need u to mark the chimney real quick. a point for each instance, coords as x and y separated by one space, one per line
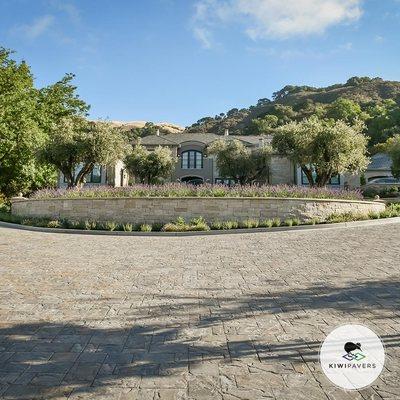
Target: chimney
226 132
158 132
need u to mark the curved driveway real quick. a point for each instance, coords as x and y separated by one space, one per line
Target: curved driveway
206 317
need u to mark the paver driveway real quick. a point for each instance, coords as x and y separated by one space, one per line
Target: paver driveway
211 317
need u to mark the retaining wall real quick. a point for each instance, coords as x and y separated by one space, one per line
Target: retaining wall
163 210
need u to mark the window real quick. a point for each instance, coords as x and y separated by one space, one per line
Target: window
334 181
192 159
95 175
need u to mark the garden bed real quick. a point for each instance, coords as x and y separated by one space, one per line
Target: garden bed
176 190
195 224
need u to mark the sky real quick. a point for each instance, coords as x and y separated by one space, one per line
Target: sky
181 60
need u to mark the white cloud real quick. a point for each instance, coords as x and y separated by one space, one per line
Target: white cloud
276 18
38 27
204 36
69 9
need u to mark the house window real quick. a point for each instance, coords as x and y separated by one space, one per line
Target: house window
334 181
192 159
95 175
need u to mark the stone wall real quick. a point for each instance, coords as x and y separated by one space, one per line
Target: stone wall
150 210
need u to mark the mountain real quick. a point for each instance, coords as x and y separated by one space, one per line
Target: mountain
165 127
297 102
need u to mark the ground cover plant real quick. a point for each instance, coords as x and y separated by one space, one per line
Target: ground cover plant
206 190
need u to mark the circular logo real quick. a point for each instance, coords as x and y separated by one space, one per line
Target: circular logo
352 356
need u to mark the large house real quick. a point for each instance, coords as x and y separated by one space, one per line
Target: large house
195 166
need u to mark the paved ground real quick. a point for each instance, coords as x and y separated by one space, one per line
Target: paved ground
213 317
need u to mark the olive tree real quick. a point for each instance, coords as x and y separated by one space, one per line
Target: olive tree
150 166
235 160
326 148
76 145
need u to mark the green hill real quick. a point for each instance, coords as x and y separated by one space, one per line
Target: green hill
377 102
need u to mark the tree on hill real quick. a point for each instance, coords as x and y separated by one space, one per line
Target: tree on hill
76 145
323 148
346 110
348 101
150 166
236 161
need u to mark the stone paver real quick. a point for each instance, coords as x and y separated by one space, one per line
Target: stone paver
207 317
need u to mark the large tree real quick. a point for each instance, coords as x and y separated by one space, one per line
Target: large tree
392 147
76 145
323 148
150 166
236 161
26 117
20 134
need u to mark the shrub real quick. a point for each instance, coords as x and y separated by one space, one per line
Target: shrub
145 228
370 192
267 223
346 217
156 227
288 222
8 217
198 224
227 225
250 223
77 224
55 223
180 225
296 221
110 226
27 221
276 222
127 227
216 225
90 225
373 215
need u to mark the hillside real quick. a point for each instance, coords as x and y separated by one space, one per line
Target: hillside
165 127
297 102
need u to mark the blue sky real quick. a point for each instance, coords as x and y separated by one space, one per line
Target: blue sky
180 60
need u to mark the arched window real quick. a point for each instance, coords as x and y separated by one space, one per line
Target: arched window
191 159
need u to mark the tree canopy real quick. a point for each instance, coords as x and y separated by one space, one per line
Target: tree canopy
26 117
235 160
323 148
150 166
392 147
75 145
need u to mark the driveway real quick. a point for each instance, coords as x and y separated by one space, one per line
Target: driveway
206 317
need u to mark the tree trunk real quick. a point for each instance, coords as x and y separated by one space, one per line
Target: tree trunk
308 174
82 173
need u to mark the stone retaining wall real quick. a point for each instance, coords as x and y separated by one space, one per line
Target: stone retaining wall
163 210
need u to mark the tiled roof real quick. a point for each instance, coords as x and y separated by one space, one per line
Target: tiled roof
206 138
380 161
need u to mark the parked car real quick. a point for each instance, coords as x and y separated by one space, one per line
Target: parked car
384 187
384 181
